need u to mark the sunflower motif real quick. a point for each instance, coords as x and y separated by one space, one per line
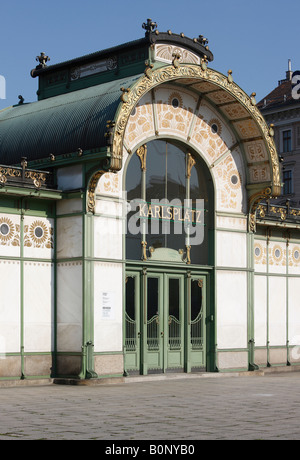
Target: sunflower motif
7 230
215 127
175 101
277 253
296 255
38 232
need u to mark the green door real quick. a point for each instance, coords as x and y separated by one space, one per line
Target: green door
196 323
132 322
164 323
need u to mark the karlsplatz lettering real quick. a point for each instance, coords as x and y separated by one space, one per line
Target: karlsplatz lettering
162 212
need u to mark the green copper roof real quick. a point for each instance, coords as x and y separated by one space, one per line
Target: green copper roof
60 124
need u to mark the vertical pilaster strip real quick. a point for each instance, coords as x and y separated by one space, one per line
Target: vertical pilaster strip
268 300
54 360
287 302
22 289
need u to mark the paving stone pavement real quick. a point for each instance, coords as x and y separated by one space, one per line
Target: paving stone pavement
184 409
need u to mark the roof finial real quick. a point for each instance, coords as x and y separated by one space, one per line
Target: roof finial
42 59
149 26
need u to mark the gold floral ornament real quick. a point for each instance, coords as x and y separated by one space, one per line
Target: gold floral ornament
9 232
38 235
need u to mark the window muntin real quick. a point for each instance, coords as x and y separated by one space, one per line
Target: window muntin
287 141
288 182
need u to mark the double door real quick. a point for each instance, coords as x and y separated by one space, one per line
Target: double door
164 322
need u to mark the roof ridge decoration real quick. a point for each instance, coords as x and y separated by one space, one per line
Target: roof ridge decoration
149 26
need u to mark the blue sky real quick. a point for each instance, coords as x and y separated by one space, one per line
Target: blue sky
255 39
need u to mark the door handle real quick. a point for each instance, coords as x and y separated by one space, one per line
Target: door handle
162 334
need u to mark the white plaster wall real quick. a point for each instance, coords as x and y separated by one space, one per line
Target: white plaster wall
38 306
260 311
231 249
108 283
69 237
231 309
277 310
69 178
9 306
69 306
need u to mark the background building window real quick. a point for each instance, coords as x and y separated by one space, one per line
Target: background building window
288 182
287 141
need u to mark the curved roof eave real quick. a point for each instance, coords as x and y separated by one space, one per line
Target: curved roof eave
247 119
60 124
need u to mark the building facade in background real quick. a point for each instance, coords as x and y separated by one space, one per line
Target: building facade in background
282 110
135 231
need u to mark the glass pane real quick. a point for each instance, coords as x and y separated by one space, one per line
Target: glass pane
200 188
174 315
152 314
165 184
196 314
133 188
130 297
174 298
134 178
175 164
130 315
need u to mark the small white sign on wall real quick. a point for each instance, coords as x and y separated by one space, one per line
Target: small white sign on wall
108 305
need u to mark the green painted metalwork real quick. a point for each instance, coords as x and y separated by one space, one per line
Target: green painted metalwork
78 120
160 335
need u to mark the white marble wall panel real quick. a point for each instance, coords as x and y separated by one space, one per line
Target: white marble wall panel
294 315
9 235
110 208
71 206
231 249
277 310
38 306
69 306
38 237
108 307
108 237
231 309
69 178
10 307
69 237
260 310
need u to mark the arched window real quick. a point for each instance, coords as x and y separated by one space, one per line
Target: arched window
169 193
